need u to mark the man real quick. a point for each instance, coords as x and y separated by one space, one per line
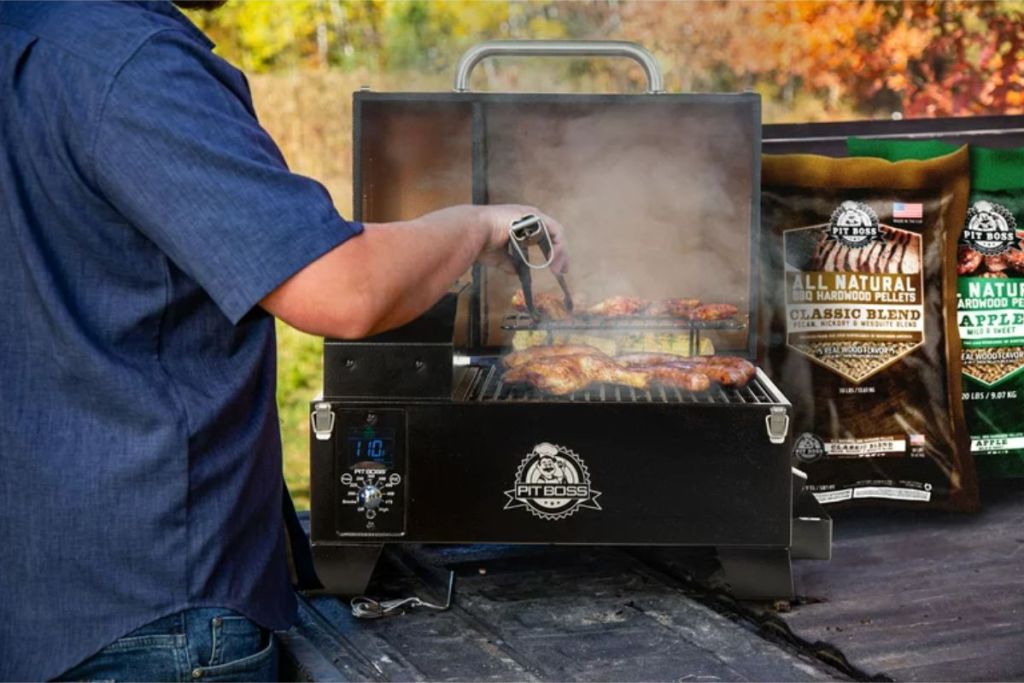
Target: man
150 231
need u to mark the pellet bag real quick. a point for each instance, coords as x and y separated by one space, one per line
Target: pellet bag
990 298
858 318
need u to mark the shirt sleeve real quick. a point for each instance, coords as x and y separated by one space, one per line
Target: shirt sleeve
179 153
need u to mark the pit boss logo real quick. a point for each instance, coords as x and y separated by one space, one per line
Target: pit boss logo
990 229
855 225
808 448
552 483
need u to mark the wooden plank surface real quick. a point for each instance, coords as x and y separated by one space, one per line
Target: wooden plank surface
923 596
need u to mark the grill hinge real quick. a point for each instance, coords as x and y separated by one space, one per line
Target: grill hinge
322 421
777 423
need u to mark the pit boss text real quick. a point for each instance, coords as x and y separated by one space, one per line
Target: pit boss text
552 491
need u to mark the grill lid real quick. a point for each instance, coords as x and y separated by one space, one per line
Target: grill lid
659 193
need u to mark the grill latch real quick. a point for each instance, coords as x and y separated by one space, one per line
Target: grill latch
777 423
322 421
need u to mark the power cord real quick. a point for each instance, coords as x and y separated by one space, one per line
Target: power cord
368 608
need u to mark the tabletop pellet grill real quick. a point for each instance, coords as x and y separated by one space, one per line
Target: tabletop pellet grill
418 439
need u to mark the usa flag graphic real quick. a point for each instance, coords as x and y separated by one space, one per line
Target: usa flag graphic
903 210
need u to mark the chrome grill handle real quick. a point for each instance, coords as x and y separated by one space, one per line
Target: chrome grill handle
559 48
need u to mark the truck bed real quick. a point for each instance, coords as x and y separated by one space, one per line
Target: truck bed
907 596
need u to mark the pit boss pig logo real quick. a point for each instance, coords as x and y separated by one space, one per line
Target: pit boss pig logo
552 483
854 224
990 229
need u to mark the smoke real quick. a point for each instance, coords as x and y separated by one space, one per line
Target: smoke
655 194
656 199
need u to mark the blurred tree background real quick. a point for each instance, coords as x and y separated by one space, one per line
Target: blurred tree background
808 60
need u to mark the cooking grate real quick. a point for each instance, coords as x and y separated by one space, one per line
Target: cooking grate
486 386
520 322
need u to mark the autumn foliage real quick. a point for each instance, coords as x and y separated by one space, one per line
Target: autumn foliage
913 58
809 59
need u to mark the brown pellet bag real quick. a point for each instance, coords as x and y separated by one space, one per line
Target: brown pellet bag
858 323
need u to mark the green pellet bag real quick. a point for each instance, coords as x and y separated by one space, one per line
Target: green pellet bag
990 298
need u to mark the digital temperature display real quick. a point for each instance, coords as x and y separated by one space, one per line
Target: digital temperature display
371 445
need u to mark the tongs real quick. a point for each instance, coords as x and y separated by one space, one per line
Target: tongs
522 233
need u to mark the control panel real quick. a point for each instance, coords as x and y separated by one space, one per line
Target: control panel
370 472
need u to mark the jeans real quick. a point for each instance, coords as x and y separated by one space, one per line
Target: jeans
203 644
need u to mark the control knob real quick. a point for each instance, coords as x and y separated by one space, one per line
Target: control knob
370 497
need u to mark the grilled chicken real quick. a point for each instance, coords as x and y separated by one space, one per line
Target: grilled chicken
618 306
725 370
646 359
713 312
536 353
550 306
675 308
564 374
561 370
687 379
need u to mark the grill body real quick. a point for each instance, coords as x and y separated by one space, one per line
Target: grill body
667 474
410 446
661 469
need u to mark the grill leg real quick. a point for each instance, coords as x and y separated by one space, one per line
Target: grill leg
345 569
757 573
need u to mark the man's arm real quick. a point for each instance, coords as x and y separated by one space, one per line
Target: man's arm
222 205
394 272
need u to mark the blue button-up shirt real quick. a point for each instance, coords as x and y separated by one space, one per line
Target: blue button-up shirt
143 214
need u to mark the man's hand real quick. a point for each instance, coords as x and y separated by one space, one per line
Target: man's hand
500 217
394 272
494 221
